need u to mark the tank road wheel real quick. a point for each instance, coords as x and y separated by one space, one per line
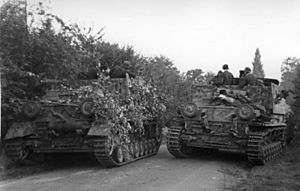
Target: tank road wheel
149 146
136 149
153 145
142 151
127 153
146 145
131 149
119 154
158 134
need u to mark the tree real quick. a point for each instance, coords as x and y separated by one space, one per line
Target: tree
208 76
290 81
257 65
288 76
194 76
162 72
296 103
113 55
13 48
40 49
288 73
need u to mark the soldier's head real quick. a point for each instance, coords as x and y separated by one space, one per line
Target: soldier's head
220 73
247 70
126 64
225 67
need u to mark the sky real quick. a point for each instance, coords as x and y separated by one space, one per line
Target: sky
203 34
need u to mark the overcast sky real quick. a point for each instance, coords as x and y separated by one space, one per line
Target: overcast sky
196 33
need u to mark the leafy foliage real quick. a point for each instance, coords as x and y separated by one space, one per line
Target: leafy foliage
113 55
124 111
171 87
208 76
257 65
288 70
296 104
40 51
161 71
288 77
194 76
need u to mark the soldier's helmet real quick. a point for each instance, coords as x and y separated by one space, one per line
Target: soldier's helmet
247 69
225 67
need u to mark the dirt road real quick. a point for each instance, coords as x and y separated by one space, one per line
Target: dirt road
162 172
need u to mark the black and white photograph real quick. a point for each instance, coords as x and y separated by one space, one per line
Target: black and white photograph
150 95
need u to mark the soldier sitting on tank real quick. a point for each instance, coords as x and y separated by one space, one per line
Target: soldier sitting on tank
227 76
247 79
218 79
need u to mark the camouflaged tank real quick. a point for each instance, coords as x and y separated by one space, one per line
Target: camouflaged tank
249 120
88 119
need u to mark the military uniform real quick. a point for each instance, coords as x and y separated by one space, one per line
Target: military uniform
227 78
248 79
218 79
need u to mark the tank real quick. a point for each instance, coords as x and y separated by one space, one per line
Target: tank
103 116
249 120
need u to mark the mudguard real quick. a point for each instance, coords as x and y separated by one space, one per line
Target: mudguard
19 129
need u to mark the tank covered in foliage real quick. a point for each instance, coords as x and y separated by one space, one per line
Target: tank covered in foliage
116 117
249 120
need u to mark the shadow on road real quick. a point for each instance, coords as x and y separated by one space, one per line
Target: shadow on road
229 158
61 161
226 157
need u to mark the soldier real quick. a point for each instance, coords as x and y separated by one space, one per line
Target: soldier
247 79
218 79
227 76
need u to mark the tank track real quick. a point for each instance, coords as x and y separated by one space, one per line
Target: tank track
104 154
15 151
259 150
173 141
